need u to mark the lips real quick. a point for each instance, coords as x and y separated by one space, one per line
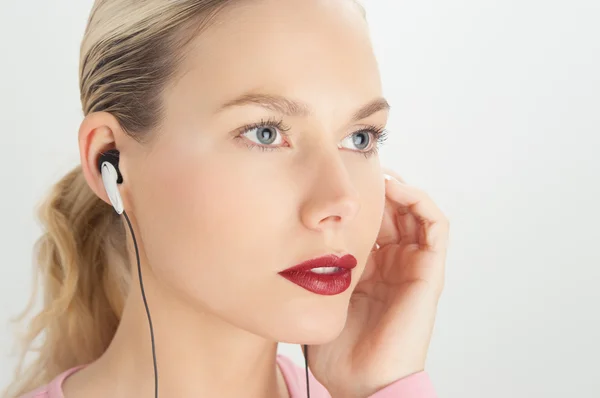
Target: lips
327 275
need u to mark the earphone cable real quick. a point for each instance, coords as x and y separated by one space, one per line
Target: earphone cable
306 363
137 255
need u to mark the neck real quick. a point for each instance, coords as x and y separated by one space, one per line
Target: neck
198 353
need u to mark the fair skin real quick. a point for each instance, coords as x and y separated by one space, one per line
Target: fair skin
216 221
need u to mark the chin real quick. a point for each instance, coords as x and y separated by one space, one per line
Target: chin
311 327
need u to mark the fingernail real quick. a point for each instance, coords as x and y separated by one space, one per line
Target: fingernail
390 178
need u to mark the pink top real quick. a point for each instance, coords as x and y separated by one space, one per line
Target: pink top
417 385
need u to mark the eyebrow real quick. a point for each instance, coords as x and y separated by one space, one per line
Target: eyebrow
290 107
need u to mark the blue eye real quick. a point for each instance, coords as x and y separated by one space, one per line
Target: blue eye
264 135
366 141
360 140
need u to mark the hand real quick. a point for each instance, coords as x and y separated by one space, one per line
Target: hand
392 309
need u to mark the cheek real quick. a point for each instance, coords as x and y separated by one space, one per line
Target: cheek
207 228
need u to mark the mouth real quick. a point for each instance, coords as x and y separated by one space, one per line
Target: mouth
327 275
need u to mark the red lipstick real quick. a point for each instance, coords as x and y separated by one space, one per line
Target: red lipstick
327 275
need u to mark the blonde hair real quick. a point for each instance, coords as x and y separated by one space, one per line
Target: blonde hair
129 53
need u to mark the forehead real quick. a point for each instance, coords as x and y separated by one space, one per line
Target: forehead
312 50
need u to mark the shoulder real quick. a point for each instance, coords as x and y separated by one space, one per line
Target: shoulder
52 389
295 378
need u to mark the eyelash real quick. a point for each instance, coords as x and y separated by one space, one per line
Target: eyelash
379 134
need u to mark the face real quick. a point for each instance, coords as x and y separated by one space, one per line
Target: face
266 160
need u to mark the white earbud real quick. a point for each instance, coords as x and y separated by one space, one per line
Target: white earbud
109 178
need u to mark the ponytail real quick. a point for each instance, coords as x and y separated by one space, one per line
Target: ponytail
82 262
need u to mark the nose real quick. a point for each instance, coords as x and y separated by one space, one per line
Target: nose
332 199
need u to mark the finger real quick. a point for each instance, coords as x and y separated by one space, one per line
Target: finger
408 226
398 226
388 232
430 219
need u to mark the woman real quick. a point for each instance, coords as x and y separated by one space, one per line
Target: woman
227 120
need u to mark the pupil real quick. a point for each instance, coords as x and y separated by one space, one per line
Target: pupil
263 135
361 141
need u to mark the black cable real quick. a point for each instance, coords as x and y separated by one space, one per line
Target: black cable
306 362
137 255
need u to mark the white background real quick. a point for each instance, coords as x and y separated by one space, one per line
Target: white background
496 113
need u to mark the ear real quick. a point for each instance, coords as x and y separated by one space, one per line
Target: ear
98 133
